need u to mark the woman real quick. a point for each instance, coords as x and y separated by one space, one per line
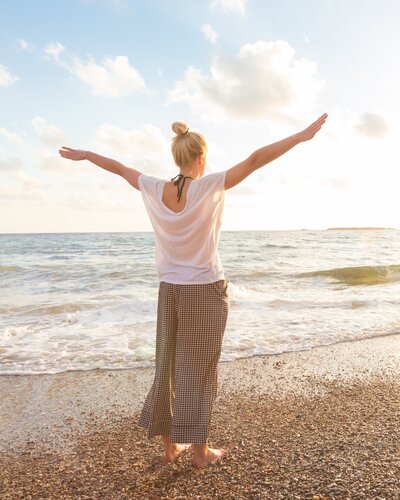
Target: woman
193 300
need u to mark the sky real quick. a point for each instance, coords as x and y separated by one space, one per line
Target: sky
111 76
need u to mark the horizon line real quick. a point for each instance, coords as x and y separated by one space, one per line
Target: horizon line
361 228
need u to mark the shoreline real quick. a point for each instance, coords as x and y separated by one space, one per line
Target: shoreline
63 401
322 421
221 362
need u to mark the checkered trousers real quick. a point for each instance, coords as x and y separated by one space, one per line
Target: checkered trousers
191 320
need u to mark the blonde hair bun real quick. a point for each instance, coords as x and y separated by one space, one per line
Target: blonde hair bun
186 146
180 128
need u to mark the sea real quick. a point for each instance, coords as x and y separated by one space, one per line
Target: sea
83 301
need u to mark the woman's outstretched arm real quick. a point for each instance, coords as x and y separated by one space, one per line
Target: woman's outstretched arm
269 153
130 174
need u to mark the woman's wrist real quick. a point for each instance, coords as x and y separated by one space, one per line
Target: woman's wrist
299 137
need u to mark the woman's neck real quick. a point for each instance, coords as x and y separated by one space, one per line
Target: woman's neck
190 173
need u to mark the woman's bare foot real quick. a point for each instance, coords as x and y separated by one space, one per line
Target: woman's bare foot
210 456
173 450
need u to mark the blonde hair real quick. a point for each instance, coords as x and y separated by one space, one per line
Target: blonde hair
186 145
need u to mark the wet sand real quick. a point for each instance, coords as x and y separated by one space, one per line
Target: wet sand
323 423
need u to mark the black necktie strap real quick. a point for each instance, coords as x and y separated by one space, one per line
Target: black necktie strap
179 177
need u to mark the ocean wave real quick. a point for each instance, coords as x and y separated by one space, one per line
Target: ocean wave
115 274
61 257
8 269
251 275
272 245
362 275
62 308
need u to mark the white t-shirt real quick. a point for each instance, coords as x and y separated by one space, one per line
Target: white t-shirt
187 242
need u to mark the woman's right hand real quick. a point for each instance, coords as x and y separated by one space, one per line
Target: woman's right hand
72 154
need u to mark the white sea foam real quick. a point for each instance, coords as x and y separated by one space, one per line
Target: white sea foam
84 301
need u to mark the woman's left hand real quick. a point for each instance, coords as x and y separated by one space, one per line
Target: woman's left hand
309 132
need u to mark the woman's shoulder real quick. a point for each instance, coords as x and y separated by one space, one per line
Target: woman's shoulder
204 182
214 175
146 180
149 178
213 179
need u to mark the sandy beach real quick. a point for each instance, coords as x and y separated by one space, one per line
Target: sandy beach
316 424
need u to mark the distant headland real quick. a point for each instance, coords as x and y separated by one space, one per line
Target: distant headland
357 228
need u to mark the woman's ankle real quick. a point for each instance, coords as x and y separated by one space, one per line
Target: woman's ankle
200 450
167 442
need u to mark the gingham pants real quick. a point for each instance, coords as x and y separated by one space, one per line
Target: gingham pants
191 321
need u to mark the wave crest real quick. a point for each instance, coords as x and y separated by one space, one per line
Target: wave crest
363 275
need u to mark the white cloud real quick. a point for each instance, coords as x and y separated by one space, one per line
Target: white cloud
24 45
28 181
372 125
12 137
12 163
209 33
145 149
55 164
8 194
113 77
95 200
50 135
229 5
137 142
262 80
6 78
20 197
54 49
